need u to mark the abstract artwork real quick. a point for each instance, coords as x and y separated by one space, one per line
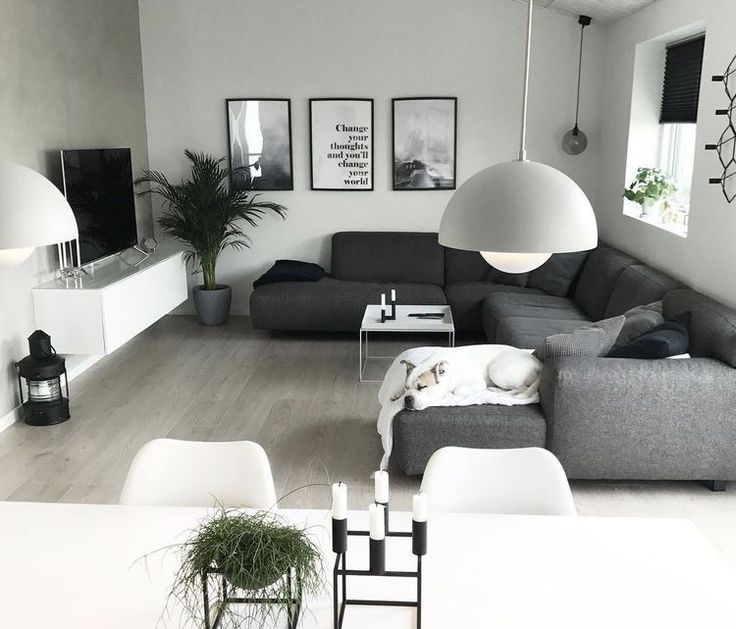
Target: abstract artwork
259 140
341 134
424 143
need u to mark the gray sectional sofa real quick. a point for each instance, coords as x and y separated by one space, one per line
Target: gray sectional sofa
604 418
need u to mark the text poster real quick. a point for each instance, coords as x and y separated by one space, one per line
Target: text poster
342 143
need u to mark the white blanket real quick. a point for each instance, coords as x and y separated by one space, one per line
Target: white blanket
394 380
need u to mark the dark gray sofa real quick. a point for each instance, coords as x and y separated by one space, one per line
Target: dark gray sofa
565 293
604 418
609 418
364 265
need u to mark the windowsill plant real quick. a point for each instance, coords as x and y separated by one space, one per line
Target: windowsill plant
651 189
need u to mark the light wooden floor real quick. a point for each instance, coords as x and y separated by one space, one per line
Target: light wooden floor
296 395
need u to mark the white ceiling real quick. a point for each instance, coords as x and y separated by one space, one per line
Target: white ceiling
601 11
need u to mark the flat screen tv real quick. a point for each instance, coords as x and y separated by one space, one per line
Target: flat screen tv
98 184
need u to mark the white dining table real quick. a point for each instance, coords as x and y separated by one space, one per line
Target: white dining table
68 566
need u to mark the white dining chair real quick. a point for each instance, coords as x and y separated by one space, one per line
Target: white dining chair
527 481
172 472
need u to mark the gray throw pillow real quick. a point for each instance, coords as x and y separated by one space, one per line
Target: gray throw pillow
555 277
596 340
640 320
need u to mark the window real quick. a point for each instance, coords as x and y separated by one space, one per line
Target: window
677 159
664 138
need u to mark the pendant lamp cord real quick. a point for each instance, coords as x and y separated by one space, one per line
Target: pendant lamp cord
580 68
525 97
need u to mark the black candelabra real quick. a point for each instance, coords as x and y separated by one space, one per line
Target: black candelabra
376 565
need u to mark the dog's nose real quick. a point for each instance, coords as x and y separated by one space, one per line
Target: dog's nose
409 401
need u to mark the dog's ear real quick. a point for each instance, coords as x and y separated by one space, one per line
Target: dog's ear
409 366
439 370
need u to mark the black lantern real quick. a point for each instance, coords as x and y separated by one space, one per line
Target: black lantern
45 405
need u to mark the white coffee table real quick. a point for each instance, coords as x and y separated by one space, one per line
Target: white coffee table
403 323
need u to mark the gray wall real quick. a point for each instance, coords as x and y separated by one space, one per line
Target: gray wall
706 259
196 54
70 77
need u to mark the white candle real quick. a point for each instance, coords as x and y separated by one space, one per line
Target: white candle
420 508
376 526
339 501
383 301
393 294
381 486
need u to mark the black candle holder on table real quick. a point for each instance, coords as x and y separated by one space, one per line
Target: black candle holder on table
389 317
294 590
377 566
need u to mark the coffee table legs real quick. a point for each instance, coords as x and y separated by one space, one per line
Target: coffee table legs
363 354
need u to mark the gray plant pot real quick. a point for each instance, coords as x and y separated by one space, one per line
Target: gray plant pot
212 306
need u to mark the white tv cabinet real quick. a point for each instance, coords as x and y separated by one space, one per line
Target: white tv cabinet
99 312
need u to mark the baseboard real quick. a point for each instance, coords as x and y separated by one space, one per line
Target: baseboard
76 366
7 420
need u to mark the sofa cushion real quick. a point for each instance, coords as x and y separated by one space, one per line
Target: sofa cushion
501 305
466 300
599 275
556 276
418 434
529 332
712 325
413 257
671 338
593 340
330 305
638 284
640 320
469 266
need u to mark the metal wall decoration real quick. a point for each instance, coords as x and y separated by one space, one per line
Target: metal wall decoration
726 145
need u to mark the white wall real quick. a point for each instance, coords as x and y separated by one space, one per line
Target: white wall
706 259
197 53
71 78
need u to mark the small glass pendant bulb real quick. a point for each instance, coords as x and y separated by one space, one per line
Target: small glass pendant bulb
574 141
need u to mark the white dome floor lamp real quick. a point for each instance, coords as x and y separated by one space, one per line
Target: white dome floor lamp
517 214
33 213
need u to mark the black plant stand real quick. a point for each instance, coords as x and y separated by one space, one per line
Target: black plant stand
294 589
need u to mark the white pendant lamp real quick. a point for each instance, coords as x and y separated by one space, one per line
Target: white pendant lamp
33 213
517 214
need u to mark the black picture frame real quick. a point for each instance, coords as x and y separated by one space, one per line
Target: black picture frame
283 182
371 174
401 177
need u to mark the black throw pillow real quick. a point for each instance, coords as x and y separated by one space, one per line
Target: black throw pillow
668 339
291 271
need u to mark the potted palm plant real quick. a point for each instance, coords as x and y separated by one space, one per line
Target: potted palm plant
207 215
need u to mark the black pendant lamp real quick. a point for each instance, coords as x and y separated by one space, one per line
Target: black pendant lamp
575 141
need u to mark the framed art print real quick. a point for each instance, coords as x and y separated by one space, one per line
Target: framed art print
259 141
341 136
424 143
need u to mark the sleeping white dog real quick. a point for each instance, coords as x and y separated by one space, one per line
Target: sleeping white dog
466 370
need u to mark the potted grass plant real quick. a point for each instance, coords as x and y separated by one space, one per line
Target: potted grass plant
208 216
257 569
651 187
